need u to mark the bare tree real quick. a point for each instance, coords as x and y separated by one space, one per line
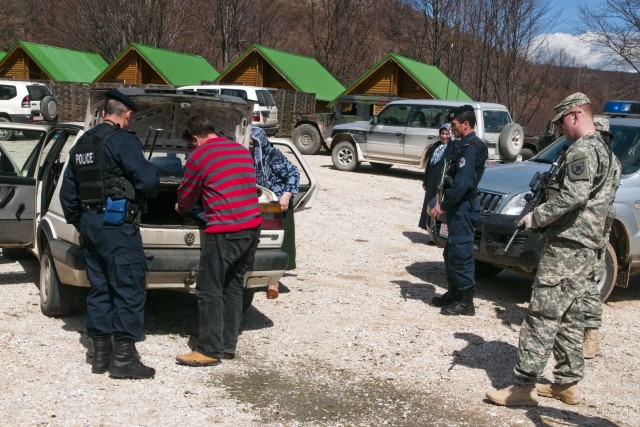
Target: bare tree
615 25
341 35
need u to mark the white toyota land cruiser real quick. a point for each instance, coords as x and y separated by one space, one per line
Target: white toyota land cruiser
31 215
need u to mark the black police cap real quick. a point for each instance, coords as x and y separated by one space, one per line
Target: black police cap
121 97
457 111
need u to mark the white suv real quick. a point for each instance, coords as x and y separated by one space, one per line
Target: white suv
265 112
403 130
25 102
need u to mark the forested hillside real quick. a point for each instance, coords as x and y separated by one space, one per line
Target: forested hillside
485 46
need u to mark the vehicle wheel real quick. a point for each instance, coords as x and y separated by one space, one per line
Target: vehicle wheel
527 153
14 253
307 139
608 280
511 140
5 134
56 299
380 166
247 297
344 156
49 108
484 270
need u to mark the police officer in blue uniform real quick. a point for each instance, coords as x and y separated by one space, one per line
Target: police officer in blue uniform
102 195
462 208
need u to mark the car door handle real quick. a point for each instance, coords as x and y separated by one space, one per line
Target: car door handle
7 197
398 134
20 211
431 137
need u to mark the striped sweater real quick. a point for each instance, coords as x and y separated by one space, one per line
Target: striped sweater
220 174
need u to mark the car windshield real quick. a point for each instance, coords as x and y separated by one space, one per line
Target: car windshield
625 145
495 120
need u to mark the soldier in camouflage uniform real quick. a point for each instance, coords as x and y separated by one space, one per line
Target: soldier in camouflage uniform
574 224
591 305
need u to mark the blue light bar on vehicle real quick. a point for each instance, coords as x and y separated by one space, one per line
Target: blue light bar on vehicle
622 108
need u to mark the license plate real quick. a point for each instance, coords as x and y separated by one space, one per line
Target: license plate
444 230
37 118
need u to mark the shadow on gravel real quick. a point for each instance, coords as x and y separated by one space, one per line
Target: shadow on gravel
318 394
496 358
417 237
542 416
30 273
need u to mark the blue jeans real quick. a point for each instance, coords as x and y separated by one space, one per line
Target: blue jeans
224 259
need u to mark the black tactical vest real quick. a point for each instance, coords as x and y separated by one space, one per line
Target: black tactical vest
93 181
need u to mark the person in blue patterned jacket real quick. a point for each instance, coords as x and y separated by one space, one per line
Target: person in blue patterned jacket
275 172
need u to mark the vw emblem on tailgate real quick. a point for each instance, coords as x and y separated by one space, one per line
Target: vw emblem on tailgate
189 238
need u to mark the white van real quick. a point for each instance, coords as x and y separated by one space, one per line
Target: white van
265 112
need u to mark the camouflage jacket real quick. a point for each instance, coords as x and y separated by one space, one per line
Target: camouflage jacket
573 214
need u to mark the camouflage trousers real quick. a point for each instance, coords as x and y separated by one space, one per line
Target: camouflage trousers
591 305
555 319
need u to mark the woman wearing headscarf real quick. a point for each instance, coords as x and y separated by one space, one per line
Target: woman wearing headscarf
275 172
436 156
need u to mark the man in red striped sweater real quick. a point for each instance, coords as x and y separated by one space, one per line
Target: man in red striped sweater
219 173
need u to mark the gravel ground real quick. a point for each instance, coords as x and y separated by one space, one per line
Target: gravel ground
352 340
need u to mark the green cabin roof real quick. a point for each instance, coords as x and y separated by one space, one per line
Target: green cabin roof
304 73
428 76
177 68
63 65
2 54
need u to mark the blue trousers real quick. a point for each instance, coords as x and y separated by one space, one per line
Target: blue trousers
224 259
115 265
458 252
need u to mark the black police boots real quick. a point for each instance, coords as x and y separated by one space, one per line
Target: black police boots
462 307
126 362
102 352
448 298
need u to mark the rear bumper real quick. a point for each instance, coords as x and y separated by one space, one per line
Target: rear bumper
169 268
270 130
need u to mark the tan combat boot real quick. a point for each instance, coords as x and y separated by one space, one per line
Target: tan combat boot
591 347
567 393
516 395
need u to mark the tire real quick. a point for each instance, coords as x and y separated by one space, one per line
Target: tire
527 153
49 108
5 135
307 139
56 299
484 270
345 156
247 297
608 281
511 141
380 166
14 253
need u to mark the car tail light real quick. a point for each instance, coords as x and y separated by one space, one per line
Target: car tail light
272 218
26 102
256 116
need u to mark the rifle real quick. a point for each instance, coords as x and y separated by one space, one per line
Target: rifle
440 191
538 194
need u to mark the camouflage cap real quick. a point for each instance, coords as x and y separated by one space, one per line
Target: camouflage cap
601 123
571 101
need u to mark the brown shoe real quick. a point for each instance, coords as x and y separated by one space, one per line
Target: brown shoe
567 393
197 359
591 346
272 293
515 395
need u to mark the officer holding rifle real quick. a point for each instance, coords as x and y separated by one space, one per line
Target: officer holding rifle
462 208
575 227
